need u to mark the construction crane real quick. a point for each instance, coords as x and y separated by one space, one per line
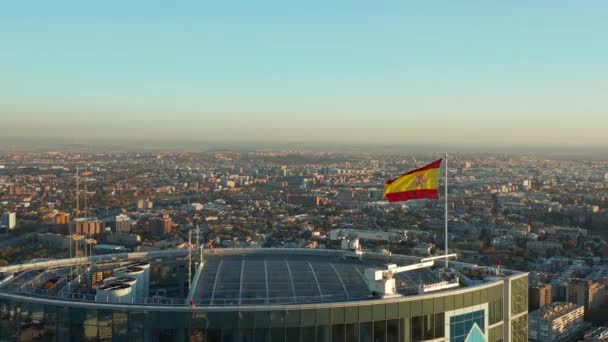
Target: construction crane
381 282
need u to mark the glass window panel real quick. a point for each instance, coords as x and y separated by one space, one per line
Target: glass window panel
476 297
136 323
392 330
439 325
308 334
245 319
519 329
448 303
167 320
308 318
351 314
278 335
427 306
277 318
198 324
499 292
499 310
519 295
428 326
495 311
458 302
226 320
366 331
416 308
461 325
380 331
262 334
438 305
379 312
352 332
417 328
261 319
76 320
322 317
229 335
483 296
292 318
496 333
293 334
468 299
214 335
323 333
404 309
365 313
337 333
392 311
337 315
77 315
119 324
245 335
63 332
105 324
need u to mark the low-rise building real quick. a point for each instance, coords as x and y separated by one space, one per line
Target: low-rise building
122 224
88 226
599 334
104 248
587 293
539 296
9 220
123 239
556 322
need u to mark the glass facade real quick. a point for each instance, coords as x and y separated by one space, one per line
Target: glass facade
519 329
519 295
495 334
405 321
462 327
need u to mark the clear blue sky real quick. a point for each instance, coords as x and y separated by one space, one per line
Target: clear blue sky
448 72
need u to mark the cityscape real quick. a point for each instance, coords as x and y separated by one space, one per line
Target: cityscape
543 216
315 171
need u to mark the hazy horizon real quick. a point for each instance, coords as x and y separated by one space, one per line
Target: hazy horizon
8 145
476 74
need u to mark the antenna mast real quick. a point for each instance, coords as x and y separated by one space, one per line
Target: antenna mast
446 210
71 239
86 202
86 214
198 233
189 260
77 193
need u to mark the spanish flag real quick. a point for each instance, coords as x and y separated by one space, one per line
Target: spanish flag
416 184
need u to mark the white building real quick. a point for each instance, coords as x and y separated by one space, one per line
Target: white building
556 322
9 220
123 223
192 207
372 235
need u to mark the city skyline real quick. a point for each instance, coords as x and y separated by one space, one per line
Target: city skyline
467 74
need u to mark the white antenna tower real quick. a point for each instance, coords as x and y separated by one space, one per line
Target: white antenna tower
71 238
189 260
86 202
86 215
198 233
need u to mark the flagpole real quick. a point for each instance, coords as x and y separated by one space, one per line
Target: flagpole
446 210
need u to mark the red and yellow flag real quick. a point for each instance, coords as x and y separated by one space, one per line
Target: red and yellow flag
416 184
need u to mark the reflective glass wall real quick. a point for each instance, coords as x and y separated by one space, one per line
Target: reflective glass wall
409 321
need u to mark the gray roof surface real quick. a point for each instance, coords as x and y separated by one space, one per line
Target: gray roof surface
287 279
